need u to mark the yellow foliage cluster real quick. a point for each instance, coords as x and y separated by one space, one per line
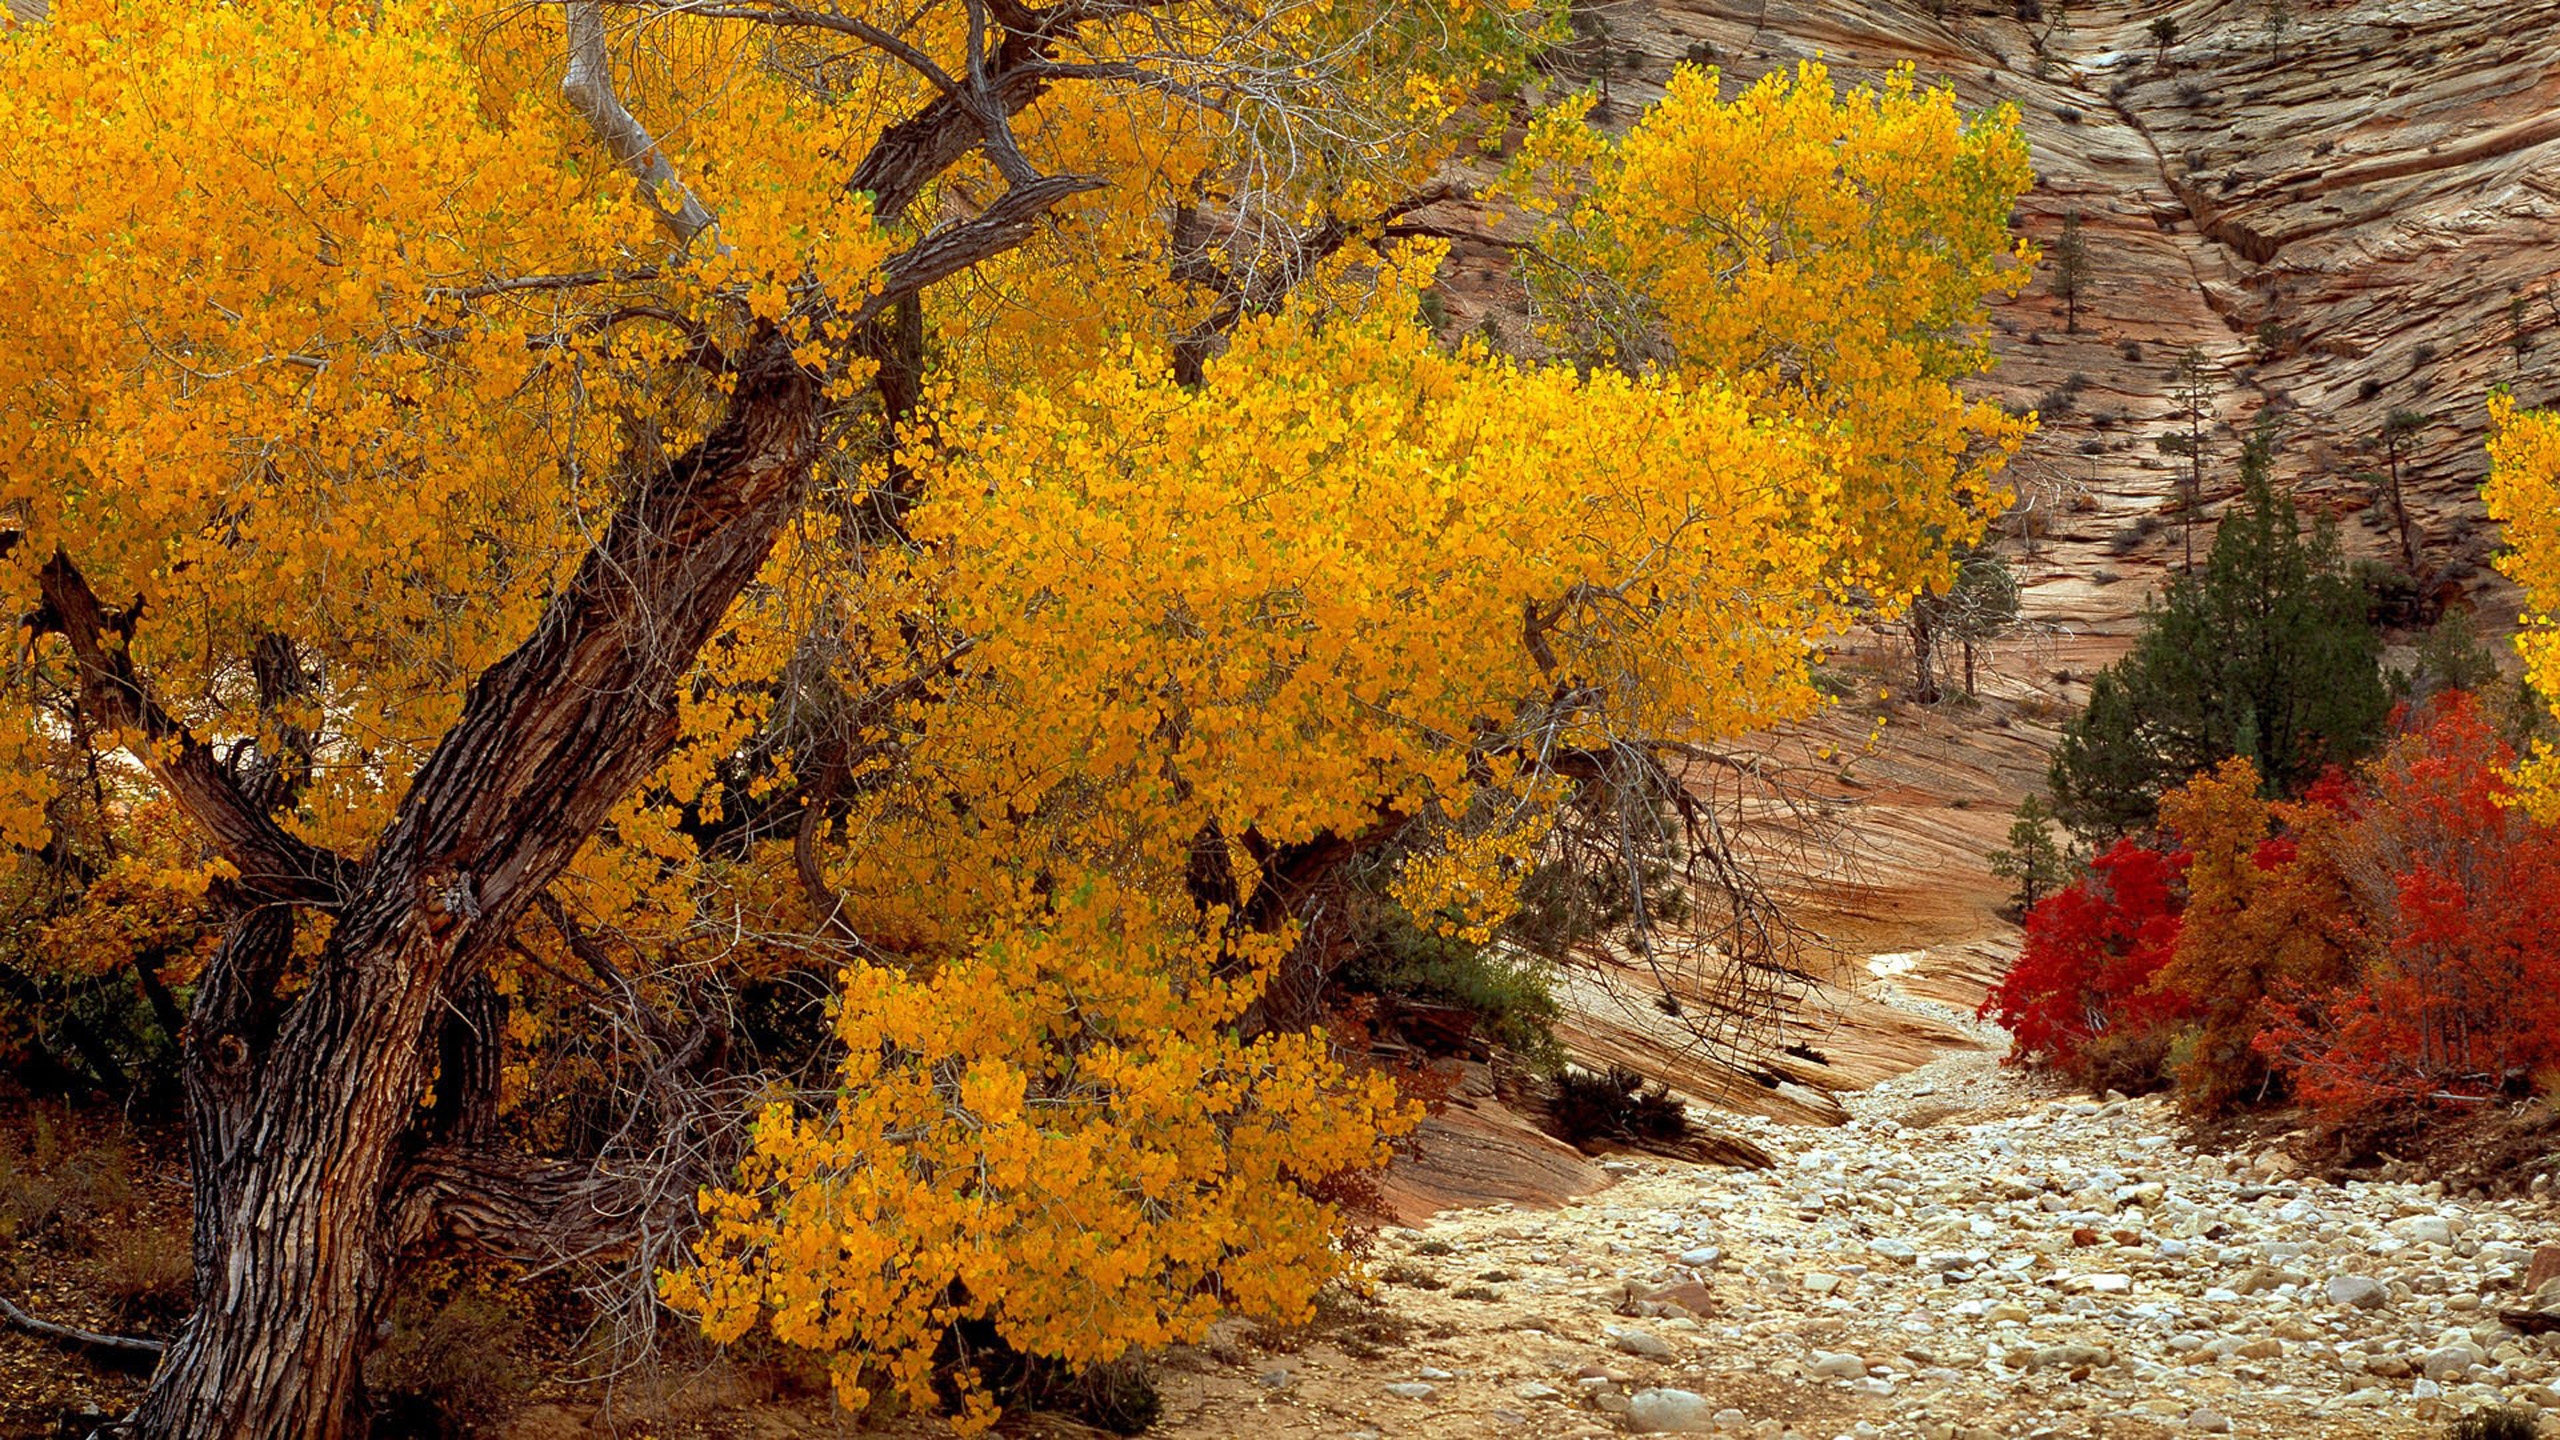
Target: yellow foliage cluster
1061 1130
368 337
2523 495
1826 255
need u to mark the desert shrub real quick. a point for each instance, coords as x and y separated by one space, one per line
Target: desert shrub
2452 656
1835 684
2499 1423
2087 968
2131 1061
145 1276
60 1186
2393 596
2269 912
1615 1104
2458 884
1508 992
2130 538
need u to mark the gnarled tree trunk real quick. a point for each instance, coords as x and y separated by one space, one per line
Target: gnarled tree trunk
313 1148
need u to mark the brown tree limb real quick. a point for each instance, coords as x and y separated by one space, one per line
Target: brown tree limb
948 249
273 863
527 1209
123 1346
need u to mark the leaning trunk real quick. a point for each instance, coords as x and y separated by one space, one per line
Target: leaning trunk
294 1242
317 1157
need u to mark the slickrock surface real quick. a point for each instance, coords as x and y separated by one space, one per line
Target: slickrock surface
1974 1254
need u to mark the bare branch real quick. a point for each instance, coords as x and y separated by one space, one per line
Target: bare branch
794 17
949 249
73 1335
587 84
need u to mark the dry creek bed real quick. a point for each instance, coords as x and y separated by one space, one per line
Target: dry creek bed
1975 1255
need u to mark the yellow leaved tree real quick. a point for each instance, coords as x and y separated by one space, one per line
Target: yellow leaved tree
2523 495
598 514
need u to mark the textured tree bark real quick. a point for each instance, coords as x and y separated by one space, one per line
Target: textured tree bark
306 1112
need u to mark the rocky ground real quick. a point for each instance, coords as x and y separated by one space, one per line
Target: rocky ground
1975 1254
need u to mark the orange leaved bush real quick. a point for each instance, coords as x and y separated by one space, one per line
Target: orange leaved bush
2269 913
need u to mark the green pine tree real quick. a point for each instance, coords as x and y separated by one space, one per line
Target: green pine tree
2070 279
2266 650
2032 858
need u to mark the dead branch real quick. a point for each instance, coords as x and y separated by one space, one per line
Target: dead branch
120 1345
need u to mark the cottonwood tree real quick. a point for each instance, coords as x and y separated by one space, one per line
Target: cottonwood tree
583 509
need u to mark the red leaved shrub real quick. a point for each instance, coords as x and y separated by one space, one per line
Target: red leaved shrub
2461 892
2082 996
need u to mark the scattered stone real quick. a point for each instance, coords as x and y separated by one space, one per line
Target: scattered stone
1837 1367
2108 1284
1668 1412
2451 1362
2359 1292
1412 1390
2545 1266
1639 1342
